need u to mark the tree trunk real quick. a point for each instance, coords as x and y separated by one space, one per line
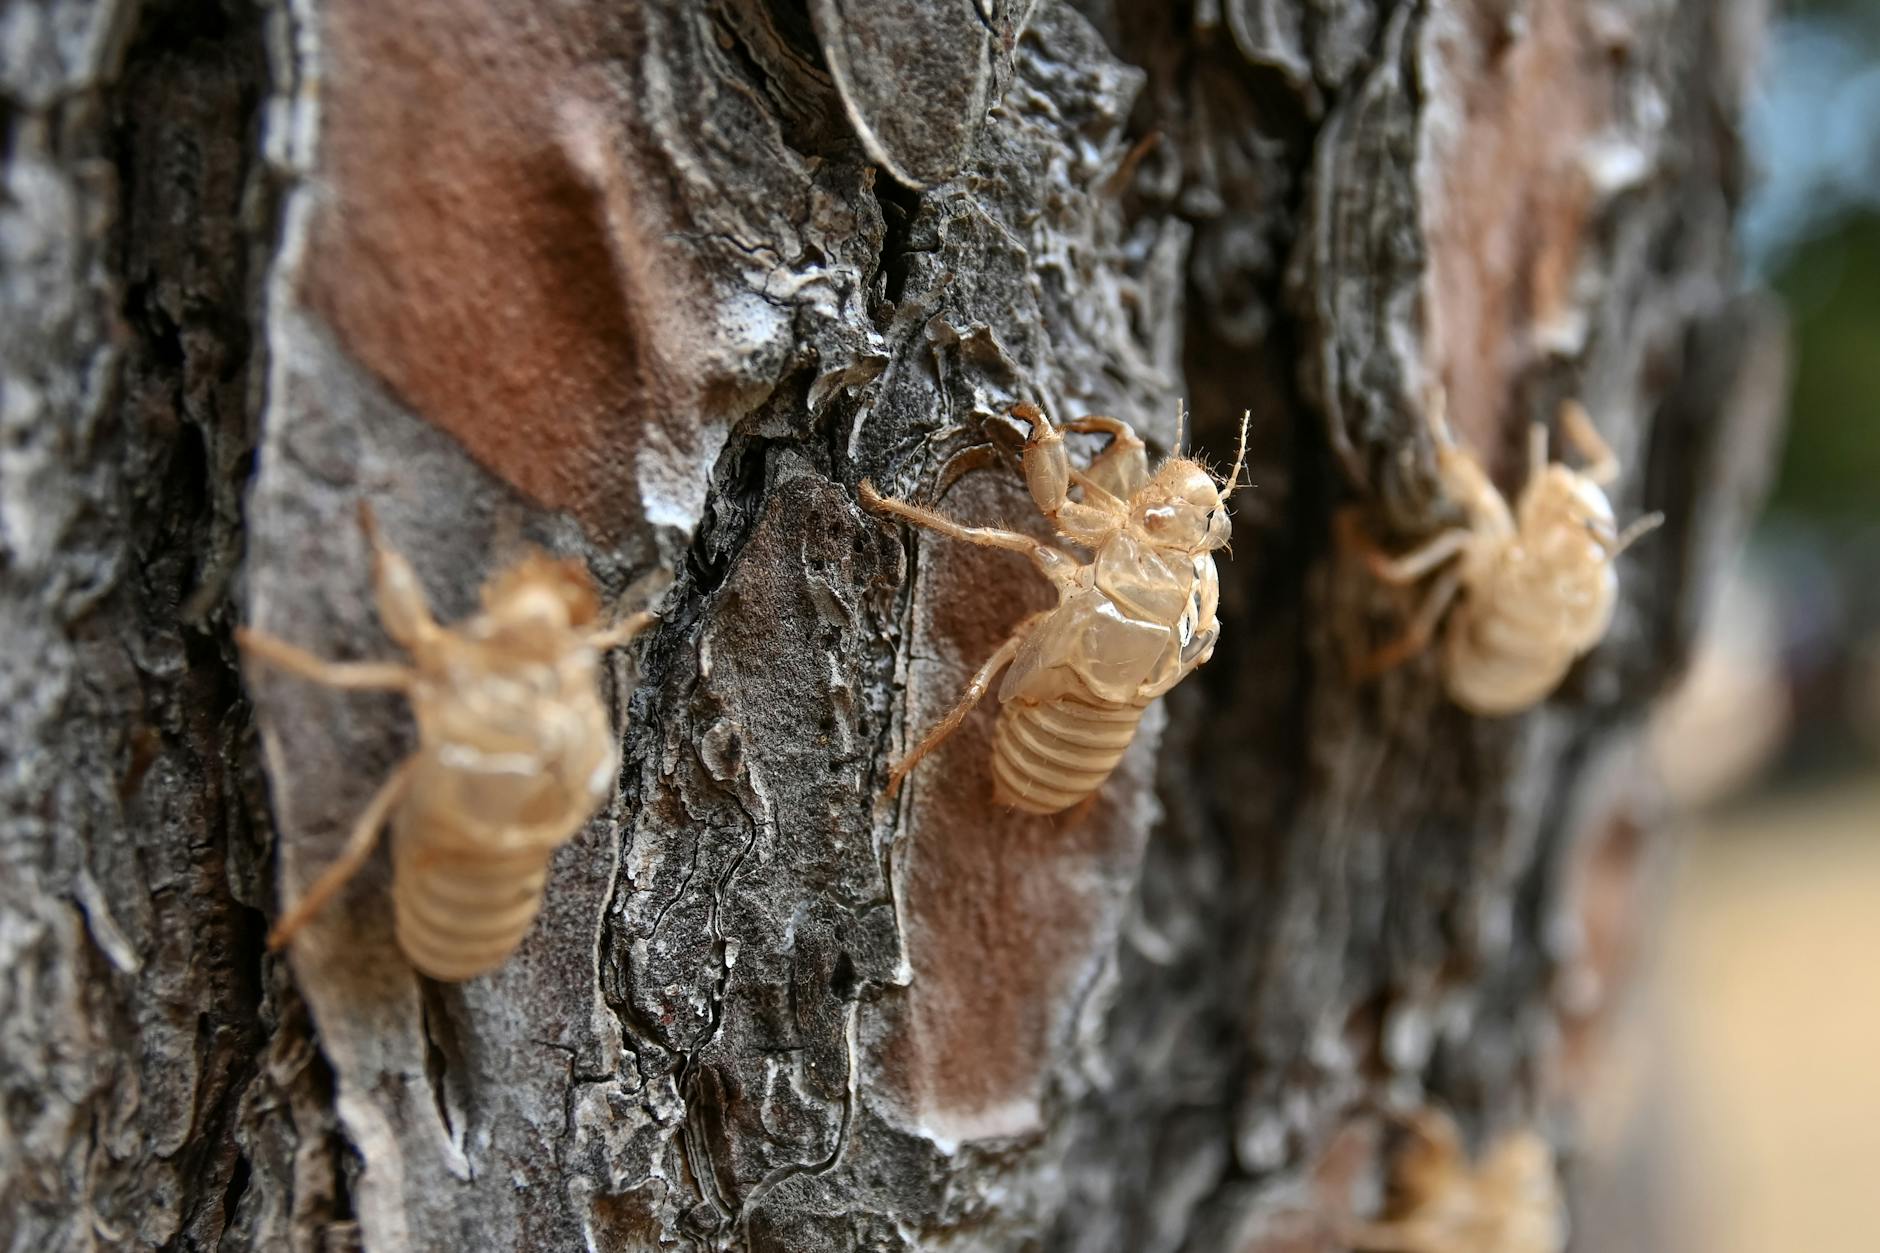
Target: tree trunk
658 285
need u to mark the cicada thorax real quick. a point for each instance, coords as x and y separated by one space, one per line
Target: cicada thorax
515 761
1074 695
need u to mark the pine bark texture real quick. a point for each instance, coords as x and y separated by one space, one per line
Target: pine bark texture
657 285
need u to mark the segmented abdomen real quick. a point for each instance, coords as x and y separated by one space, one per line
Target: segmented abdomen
459 912
1048 756
1496 663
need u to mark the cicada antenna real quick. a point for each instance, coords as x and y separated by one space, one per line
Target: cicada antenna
1240 456
1637 531
1626 538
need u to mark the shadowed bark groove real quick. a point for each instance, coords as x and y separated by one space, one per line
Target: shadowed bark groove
657 285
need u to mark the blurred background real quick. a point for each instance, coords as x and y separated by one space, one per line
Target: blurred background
1758 1077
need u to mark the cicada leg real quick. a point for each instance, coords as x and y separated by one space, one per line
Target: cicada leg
352 676
1406 568
1419 561
983 536
1049 475
1419 633
1602 463
975 692
358 847
1123 466
403 609
623 632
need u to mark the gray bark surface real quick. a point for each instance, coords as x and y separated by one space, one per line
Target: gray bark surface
657 285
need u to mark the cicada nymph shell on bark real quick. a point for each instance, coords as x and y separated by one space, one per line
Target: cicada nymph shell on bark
1131 621
1536 582
1509 1201
515 753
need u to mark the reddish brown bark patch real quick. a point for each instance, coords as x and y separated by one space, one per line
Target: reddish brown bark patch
1007 914
1507 203
476 243
1307 1215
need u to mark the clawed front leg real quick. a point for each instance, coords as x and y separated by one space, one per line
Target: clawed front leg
1048 475
403 611
1462 475
403 608
1047 461
1602 463
975 692
1123 466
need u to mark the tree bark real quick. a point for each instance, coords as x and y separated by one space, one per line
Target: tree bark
657 285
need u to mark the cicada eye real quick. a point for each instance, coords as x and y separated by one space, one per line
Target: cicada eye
1160 519
1203 492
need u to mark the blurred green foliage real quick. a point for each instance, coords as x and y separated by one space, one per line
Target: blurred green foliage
1831 465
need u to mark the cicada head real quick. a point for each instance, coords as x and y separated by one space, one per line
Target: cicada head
1567 522
1184 507
533 604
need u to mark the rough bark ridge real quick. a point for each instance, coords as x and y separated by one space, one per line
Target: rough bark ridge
657 285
